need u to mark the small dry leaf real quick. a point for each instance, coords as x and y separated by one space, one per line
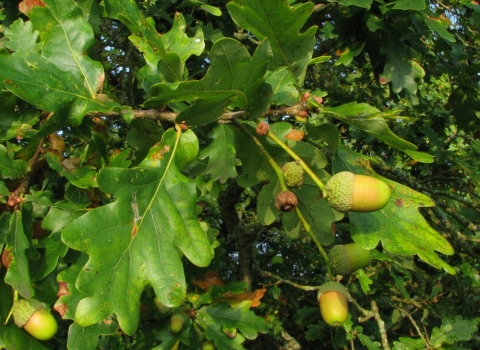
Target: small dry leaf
209 279
295 135
234 299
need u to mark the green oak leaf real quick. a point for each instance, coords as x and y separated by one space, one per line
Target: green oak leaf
69 295
86 338
281 24
407 5
59 215
370 120
82 177
454 330
60 77
360 3
21 37
284 89
233 79
137 240
13 337
11 168
13 125
217 317
66 36
439 26
399 226
399 68
221 154
165 54
18 273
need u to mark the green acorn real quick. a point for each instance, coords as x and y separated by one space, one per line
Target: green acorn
293 174
333 301
348 258
347 191
208 345
34 318
176 323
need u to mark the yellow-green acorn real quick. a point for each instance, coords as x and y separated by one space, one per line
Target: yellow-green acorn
208 345
347 191
348 258
34 318
293 174
176 323
333 301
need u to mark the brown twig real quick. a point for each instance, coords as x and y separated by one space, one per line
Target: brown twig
414 323
381 325
281 280
226 117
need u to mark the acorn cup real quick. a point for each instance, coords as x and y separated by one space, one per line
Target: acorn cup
34 318
347 191
293 174
333 301
345 259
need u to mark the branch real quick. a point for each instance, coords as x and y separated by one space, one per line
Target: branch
226 117
381 326
406 313
281 280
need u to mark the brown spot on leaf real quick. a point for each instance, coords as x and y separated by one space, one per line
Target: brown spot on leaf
399 203
27 5
63 289
208 280
61 308
160 153
7 257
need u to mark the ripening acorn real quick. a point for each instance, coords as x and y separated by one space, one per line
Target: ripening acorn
333 301
347 191
208 345
347 258
34 318
176 323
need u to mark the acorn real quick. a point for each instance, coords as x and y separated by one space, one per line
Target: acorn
208 345
293 174
348 258
32 316
176 323
347 191
333 301
286 201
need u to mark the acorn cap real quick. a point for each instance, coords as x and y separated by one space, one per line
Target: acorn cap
348 258
339 191
293 174
24 309
332 287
